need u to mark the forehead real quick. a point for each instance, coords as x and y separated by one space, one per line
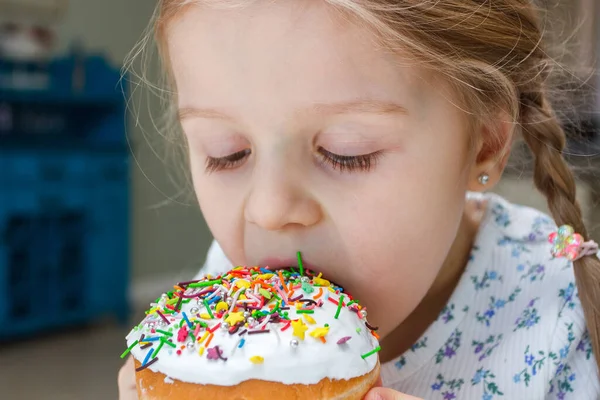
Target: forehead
291 53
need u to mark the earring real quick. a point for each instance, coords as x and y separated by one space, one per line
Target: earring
484 179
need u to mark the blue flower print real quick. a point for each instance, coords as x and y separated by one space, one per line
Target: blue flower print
474 251
478 377
447 313
564 352
535 272
533 365
449 349
564 377
517 247
585 345
569 291
485 281
400 363
567 295
495 304
529 359
419 345
540 229
501 216
449 352
451 387
485 348
490 388
529 317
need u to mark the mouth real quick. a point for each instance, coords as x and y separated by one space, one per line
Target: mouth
275 264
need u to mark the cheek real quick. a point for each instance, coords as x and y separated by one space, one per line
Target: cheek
221 203
402 227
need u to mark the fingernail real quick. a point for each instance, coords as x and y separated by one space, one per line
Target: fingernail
374 395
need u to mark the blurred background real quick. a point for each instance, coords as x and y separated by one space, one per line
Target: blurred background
91 223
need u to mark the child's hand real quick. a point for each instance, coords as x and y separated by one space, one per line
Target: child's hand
388 394
380 393
126 381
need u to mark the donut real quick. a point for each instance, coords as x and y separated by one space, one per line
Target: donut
255 333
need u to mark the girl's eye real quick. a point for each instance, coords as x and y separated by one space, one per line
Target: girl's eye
362 163
214 164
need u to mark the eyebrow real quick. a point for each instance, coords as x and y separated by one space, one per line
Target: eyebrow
208 113
357 106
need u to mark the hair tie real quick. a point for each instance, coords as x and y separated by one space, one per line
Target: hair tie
570 245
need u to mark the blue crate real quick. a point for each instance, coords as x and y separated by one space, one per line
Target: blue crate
18 168
67 242
109 209
64 204
40 166
92 113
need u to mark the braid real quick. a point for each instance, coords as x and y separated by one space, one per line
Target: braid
546 139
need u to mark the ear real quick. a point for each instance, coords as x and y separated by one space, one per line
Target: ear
493 145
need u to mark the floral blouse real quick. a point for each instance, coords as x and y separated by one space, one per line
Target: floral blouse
513 328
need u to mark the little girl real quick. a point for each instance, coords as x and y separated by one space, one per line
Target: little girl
358 131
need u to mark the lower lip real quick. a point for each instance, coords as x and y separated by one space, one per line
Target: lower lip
275 263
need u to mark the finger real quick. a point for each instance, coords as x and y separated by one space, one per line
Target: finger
388 394
126 381
127 373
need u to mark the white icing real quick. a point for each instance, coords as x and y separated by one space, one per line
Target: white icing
308 363
169 380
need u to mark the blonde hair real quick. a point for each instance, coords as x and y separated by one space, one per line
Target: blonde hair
491 53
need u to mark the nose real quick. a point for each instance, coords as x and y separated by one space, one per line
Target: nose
277 201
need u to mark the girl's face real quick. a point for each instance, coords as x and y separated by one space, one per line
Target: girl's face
305 135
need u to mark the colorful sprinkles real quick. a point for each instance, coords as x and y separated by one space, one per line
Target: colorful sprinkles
129 349
246 301
340 304
370 353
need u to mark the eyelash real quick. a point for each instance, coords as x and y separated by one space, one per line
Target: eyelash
214 164
362 163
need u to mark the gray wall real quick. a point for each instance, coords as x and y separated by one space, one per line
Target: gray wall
166 237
